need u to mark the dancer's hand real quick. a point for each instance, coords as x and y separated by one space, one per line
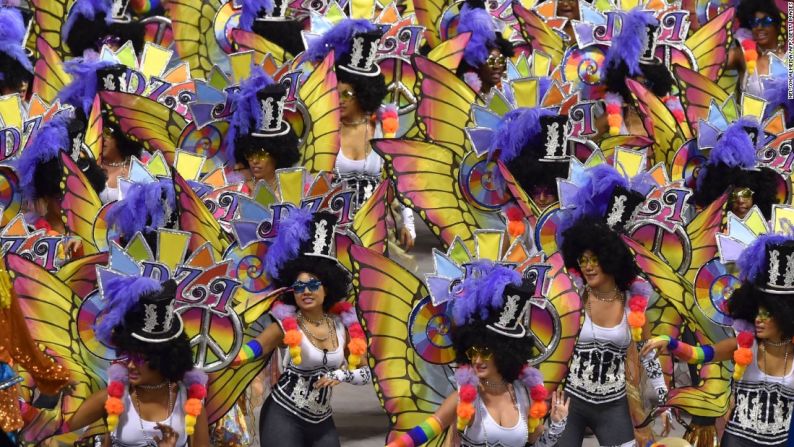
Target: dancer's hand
169 438
559 405
326 382
657 344
406 240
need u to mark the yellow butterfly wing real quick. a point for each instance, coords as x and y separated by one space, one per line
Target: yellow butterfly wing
660 124
48 19
321 98
193 25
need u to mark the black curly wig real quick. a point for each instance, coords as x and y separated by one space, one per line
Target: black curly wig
510 354
746 300
720 178
284 148
657 78
47 177
172 359
746 10
14 74
613 255
336 280
126 147
370 90
501 44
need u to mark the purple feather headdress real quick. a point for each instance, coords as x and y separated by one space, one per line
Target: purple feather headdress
12 31
484 292
517 129
143 208
627 46
753 259
338 38
121 294
292 233
252 9
734 148
480 24
81 91
46 145
89 9
246 108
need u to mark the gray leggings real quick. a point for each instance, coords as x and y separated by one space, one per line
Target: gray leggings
279 427
611 423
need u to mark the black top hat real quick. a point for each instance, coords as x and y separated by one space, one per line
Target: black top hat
112 78
272 100
778 275
509 320
361 59
555 137
321 236
76 131
649 45
160 323
623 207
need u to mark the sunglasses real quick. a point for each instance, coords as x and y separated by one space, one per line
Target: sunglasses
496 61
126 357
762 21
584 261
742 193
108 132
258 156
347 94
313 286
474 352
763 315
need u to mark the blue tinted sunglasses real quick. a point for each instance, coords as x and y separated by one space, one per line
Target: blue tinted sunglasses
762 22
313 286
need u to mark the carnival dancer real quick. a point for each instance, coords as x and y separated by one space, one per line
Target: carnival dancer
362 89
90 24
15 66
615 299
116 161
500 400
260 140
154 396
732 167
762 350
760 44
485 57
326 343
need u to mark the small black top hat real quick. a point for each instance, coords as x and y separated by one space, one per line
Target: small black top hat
361 59
777 276
555 137
623 207
160 321
112 78
649 45
272 100
509 320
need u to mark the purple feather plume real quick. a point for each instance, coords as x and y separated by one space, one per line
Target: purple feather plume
465 375
473 80
593 197
752 261
517 129
246 108
88 9
483 293
195 376
280 311
743 326
251 10
46 145
121 295
81 91
143 208
479 23
338 38
118 373
12 32
292 233
530 377
734 148
641 287
627 46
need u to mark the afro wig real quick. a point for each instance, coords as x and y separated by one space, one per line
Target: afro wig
14 75
47 177
532 174
284 148
172 359
336 281
500 44
613 255
656 77
510 354
284 33
747 299
746 10
719 178
370 90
